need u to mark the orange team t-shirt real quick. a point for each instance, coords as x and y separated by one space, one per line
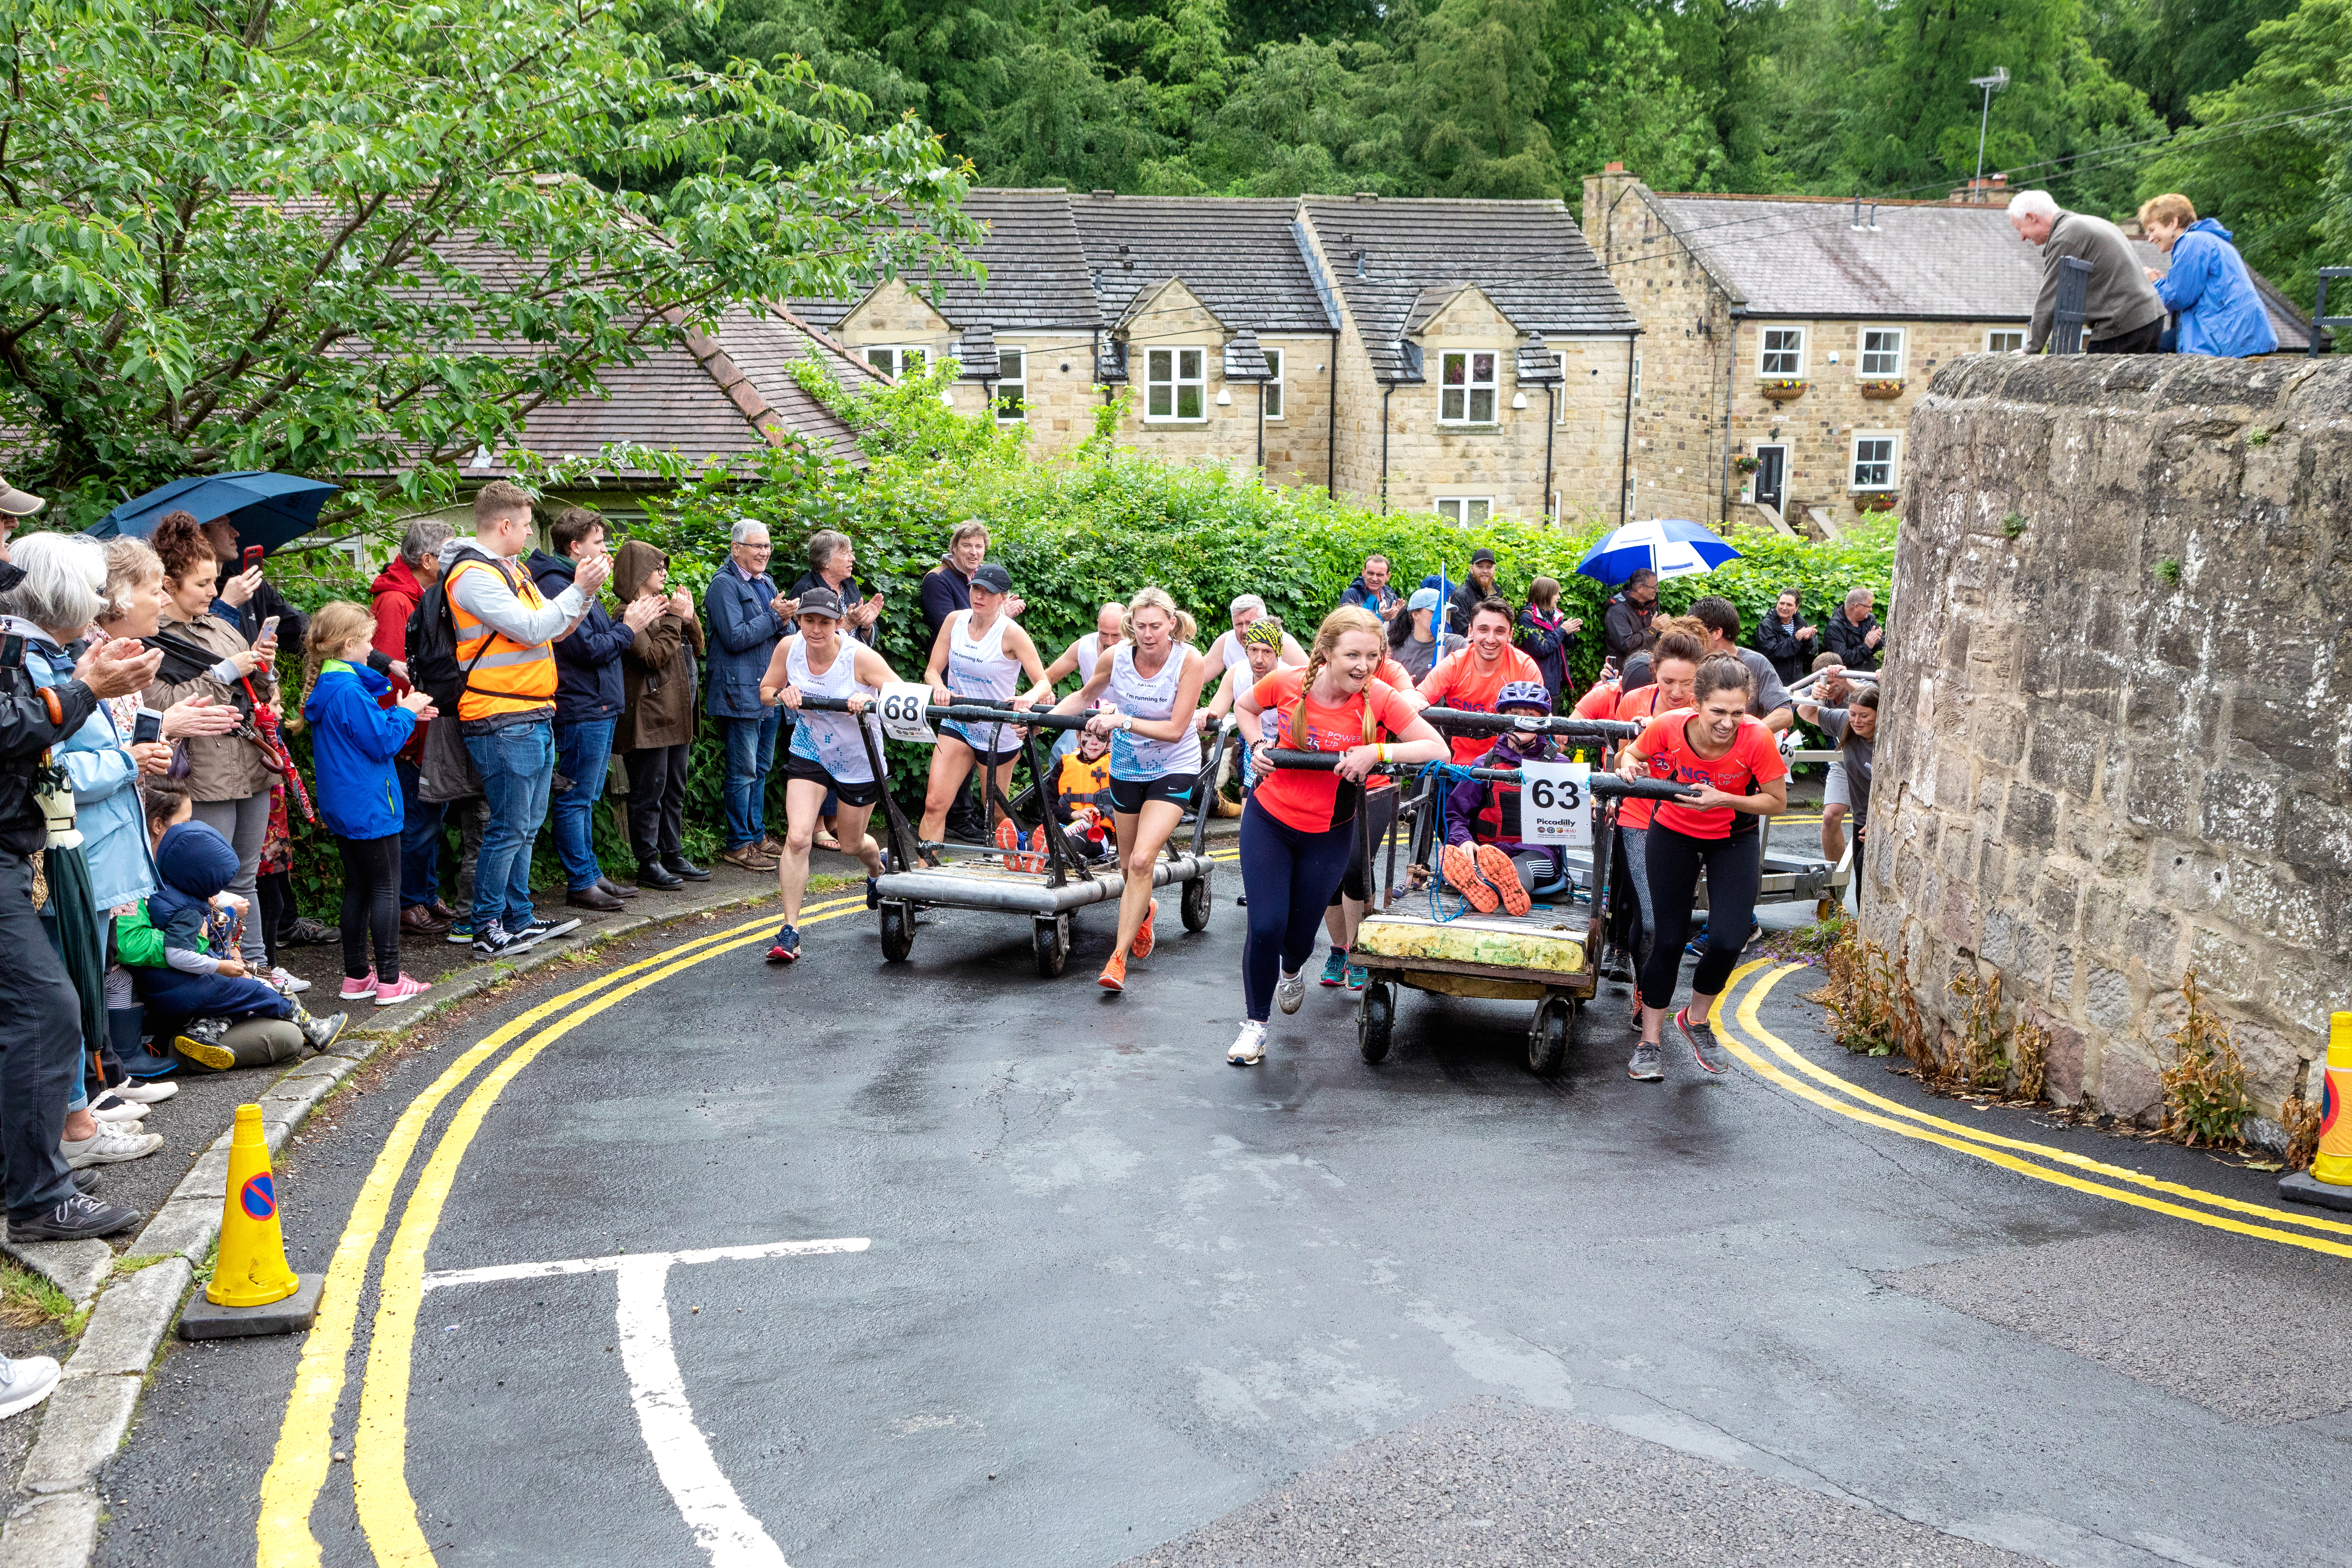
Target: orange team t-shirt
1753 761
1601 702
1310 801
1637 706
1458 683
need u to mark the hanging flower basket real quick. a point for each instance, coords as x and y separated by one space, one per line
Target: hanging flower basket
1875 500
1882 391
1744 465
1782 390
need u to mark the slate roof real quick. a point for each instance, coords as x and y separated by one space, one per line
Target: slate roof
1035 270
1239 255
1783 255
1245 358
1530 256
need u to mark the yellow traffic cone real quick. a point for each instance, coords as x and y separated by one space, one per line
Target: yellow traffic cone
2333 1164
251 1271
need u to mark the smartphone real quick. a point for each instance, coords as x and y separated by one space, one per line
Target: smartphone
146 729
12 651
269 630
253 557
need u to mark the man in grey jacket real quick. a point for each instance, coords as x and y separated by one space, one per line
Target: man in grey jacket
2122 312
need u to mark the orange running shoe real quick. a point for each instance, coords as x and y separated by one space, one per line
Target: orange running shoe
1496 868
1114 974
1462 871
1141 946
1009 837
1038 859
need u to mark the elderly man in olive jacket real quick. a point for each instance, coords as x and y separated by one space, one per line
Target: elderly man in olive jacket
2122 312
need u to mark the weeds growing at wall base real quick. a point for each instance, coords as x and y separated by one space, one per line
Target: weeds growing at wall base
2205 1100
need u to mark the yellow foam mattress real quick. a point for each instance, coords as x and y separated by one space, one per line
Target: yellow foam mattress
1540 940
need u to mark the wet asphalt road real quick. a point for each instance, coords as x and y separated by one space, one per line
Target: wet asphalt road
1122 1301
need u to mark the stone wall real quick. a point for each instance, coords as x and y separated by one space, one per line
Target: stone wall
2119 744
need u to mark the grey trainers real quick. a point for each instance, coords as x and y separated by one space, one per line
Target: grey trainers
1645 1065
1700 1033
1291 991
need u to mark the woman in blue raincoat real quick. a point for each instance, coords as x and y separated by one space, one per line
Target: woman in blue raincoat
2209 287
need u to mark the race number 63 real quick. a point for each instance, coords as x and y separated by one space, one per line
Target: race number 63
1555 804
904 706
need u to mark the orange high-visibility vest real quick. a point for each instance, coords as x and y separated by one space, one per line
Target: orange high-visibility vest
503 675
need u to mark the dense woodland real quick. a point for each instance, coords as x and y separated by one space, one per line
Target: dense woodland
2108 100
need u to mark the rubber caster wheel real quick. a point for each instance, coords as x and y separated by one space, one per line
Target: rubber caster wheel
1051 940
898 931
1375 1018
1547 1040
1194 906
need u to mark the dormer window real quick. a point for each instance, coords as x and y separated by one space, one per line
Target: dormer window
1465 382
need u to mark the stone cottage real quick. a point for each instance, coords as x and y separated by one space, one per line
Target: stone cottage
1786 339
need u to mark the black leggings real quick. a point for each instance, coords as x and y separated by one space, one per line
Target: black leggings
1289 876
274 890
1380 806
370 897
657 801
1732 866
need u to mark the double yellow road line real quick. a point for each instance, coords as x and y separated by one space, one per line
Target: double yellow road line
298 1472
1740 1024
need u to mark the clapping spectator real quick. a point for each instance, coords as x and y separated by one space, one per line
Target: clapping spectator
831 561
1371 589
656 729
1854 634
588 703
1545 637
748 618
1787 638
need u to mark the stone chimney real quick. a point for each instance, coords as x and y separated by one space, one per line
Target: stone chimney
1600 194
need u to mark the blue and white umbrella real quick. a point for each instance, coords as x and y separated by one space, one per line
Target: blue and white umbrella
1670 546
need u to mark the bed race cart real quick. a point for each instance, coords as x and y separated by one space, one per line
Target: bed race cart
973 876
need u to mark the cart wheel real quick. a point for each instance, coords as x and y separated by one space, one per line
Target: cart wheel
897 931
1050 935
1375 1017
1195 904
1547 1040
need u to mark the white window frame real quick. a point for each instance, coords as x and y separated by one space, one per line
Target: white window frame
1766 350
896 369
1470 386
1894 461
1992 347
1862 351
1460 516
1275 401
1175 383
1018 383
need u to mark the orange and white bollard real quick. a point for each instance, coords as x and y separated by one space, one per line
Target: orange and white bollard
2329 1182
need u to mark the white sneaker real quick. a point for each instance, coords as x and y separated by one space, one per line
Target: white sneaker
287 984
1249 1046
26 1381
111 1144
112 1107
146 1090
1291 991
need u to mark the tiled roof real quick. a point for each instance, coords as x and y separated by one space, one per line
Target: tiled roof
1923 261
1238 255
1245 358
1036 270
1530 258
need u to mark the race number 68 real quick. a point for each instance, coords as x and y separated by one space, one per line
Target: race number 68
903 707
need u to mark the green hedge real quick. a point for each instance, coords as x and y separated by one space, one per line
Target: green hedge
1079 531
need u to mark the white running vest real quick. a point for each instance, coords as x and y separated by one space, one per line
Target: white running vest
830 739
1134 756
980 668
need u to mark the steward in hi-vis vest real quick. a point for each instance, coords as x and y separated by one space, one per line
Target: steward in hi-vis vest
502 677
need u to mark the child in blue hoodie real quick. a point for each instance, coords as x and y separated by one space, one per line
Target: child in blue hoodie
356 730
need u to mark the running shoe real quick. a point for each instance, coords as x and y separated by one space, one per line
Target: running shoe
1114 973
1292 992
109 1144
1504 876
404 989
1248 1048
360 990
786 947
79 1218
1009 837
1700 1033
1615 966
1461 873
108 1106
495 943
1696 946
1037 858
1335 966
25 1381
287 984
1645 1065
544 929
1141 946
1357 977
461 933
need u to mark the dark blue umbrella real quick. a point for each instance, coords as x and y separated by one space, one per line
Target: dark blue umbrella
266 509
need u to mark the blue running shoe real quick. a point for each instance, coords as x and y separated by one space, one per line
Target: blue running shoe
787 946
1334 967
1357 977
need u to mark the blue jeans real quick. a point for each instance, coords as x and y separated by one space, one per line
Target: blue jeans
517 765
420 840
750 753
581 752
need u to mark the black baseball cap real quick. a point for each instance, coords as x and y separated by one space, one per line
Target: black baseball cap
1482 556
819 601
992 577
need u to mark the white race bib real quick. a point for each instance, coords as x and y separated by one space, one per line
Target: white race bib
905 707
1555 804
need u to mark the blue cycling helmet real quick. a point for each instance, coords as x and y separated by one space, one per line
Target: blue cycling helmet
1524 694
